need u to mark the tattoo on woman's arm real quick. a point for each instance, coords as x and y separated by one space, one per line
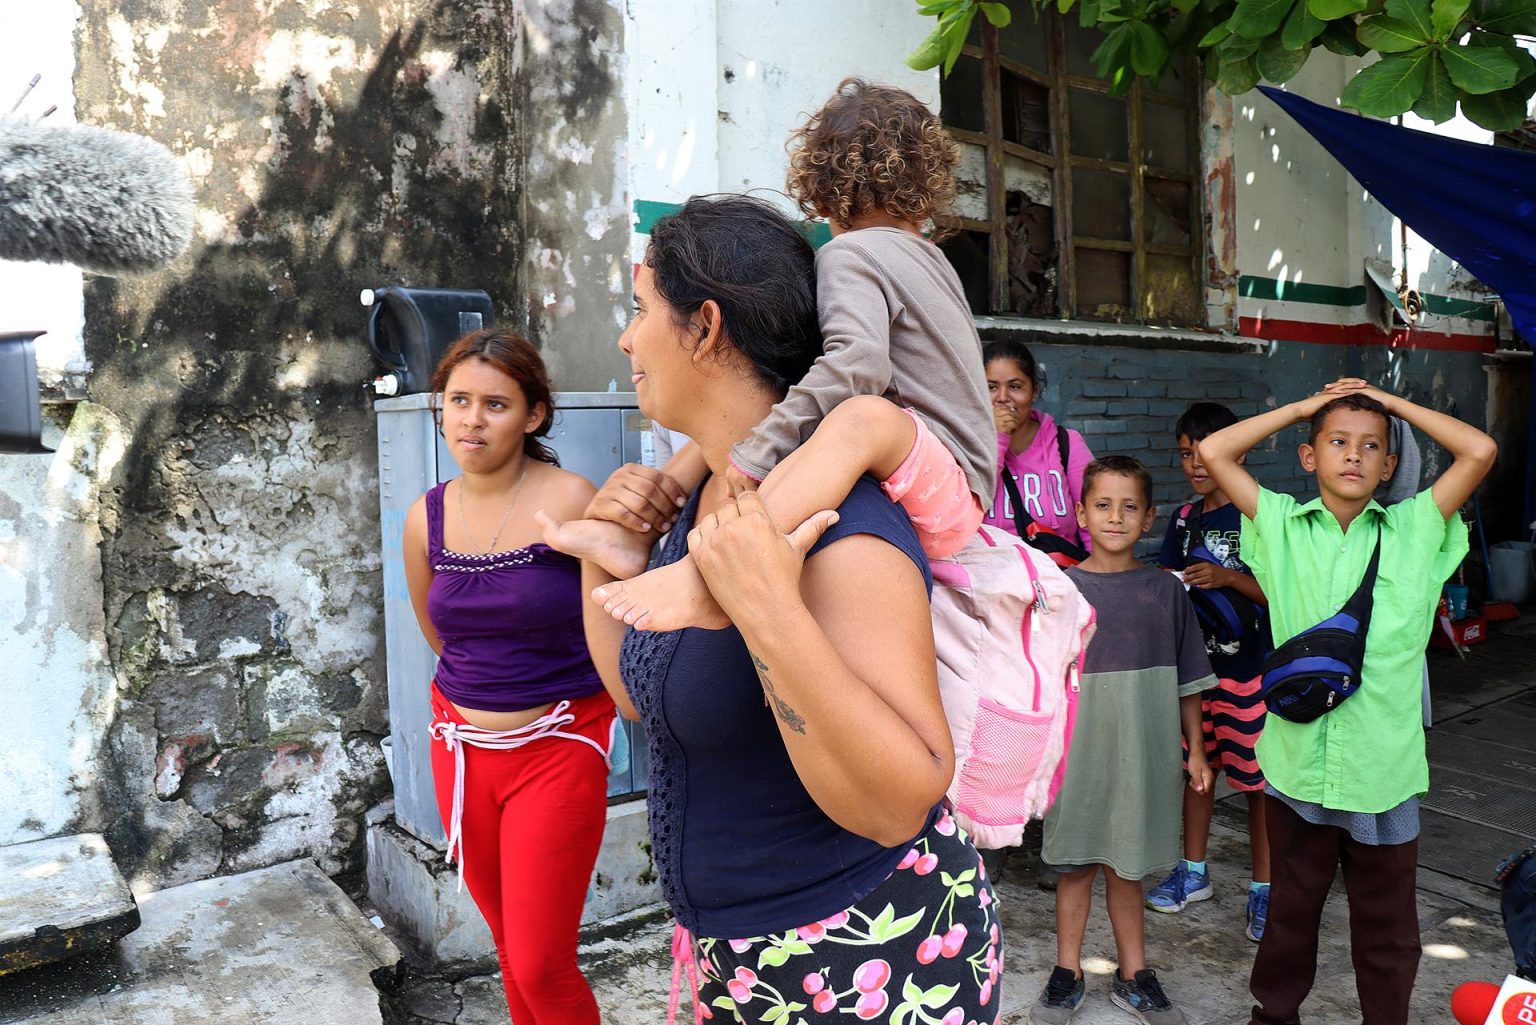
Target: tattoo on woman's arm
791 718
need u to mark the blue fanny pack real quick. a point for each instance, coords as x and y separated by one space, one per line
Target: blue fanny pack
1317 670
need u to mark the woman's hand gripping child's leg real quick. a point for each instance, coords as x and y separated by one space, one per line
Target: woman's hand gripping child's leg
864 434
627 515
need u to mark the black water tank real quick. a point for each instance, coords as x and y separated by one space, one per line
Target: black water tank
409 329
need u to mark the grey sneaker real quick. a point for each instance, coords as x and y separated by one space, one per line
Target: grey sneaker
1143 996
1060 1000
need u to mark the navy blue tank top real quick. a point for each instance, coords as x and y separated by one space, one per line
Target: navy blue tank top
510 623
741 849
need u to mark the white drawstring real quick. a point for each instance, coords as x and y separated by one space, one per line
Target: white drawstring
455 735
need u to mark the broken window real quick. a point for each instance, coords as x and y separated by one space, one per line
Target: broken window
1072 202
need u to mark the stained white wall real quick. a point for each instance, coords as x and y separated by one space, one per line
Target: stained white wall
716 86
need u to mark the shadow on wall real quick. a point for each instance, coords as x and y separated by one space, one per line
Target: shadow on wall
240 546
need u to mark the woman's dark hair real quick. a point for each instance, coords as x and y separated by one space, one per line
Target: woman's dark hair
1005 348
753 261
1203 419
516 357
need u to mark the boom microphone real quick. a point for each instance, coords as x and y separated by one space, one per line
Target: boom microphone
107 201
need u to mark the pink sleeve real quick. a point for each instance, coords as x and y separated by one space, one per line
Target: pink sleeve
1078 458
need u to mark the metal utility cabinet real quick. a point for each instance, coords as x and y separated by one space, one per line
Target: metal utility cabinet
594 434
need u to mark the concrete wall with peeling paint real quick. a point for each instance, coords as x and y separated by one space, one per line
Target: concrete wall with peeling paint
576 207
196 602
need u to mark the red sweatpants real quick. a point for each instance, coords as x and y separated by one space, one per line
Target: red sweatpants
532 824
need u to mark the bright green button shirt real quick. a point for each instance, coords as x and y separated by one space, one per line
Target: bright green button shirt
1367 755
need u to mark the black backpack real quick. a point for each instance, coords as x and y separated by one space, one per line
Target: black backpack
1229 620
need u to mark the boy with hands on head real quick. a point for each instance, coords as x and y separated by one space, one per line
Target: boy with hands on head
1344 787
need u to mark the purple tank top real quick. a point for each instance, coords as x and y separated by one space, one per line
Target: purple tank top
510 623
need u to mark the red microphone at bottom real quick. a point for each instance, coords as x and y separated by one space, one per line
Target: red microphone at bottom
1472 1002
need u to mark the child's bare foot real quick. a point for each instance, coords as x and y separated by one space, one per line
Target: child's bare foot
669 598
624 553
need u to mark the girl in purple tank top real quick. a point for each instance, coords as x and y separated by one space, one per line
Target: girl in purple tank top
525 724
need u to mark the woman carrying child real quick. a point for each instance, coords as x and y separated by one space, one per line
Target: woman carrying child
897 392
525 724
799 757
1119 805
1039 463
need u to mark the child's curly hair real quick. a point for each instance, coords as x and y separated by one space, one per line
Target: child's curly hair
872 148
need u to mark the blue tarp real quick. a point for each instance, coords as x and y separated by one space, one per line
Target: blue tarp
1476 204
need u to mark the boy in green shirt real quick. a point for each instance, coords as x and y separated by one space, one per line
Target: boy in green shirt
1345 787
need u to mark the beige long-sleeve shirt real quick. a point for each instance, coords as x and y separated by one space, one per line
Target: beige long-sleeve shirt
894 322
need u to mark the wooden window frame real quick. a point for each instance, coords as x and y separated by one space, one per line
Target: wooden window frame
1061 161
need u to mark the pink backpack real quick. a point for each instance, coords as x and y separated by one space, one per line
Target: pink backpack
1009 628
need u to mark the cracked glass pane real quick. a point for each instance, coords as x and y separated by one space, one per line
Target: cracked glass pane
969 253
1098 126
960 97
1172 292
1165 136
1101 204
1024 38
1026 112
1103 284
1167 215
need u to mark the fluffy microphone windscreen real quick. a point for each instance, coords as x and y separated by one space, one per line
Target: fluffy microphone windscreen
1472 1002
106 201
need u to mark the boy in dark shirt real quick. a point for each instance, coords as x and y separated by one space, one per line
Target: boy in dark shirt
1232 712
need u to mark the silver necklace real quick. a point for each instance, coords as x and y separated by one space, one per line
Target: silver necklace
504 516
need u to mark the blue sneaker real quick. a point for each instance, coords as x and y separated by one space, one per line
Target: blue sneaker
1180 888
1258 912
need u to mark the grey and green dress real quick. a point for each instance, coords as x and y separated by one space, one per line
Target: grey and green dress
1121 801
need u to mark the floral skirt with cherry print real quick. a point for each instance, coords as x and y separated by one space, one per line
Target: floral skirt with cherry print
924 948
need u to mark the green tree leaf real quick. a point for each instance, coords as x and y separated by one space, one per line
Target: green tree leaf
1236 77
1149 50
1479 70
1332 10
939 8
1511 17
1301 27
1445 15
1390 86
954 38
1339 37
1237 47
929 53
1278 65
1256 19
1414 13
1498 112
999 14
1437 102
1525 64
1388 35
1216 35
1113 51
